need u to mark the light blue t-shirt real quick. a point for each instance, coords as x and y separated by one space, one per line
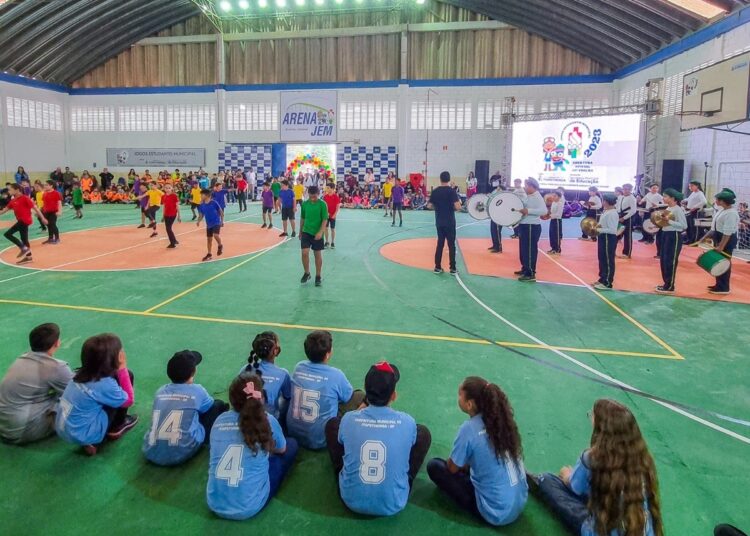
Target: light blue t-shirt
81 418
377 444
499 483
238 484
276 383
317 390
176 434
580 484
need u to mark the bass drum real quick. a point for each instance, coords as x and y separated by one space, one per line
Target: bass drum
477 206
504 208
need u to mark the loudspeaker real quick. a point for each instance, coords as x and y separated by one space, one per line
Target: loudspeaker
672 173
482 174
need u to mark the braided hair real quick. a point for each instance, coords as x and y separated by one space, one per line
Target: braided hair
265 346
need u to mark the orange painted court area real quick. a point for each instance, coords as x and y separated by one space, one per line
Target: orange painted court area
641 273
128 248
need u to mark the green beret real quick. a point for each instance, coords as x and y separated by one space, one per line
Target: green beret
726 195
674 194
610 199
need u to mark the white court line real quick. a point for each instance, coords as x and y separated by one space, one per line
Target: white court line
34 271
596 372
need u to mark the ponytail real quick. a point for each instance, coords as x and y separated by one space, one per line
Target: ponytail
497 415
264 347
246 396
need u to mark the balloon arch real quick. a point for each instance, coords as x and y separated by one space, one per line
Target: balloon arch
309 159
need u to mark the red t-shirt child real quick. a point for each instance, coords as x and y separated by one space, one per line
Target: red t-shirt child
21 207
170 202
51 201
242 185
333 201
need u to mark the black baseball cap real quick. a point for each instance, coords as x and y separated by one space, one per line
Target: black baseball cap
182 365
380 383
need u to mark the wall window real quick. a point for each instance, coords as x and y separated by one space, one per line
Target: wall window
191 117
253 116
146 118
27 113
92 119
368 115
441 115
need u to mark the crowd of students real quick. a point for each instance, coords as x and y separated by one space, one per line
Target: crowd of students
375 450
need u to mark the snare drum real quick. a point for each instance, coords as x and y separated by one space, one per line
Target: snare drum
620 229
650 227
504 208
714 262
477 206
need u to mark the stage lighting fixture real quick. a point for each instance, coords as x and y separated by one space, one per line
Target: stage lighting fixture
262 3
320 2
244 4
300 3
225 5
280 3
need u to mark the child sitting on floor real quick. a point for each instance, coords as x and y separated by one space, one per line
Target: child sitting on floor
277 383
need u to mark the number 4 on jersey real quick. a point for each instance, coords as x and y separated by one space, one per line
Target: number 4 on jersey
169 430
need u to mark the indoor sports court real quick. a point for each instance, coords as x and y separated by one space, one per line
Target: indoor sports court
178 127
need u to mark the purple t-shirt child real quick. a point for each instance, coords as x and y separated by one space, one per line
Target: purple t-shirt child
267 196
144 202
397 194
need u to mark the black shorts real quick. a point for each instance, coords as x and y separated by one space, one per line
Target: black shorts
308 241
193 205
397 206
386 200
267 210
287 213
211 231
331 223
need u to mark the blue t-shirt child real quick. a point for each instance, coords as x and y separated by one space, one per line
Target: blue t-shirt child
287 198
317 390
377 444
276 383
500 484
220 196
580 484
176 434
211 213
238 484
81 418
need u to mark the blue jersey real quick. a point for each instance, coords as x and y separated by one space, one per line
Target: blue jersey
211 213
317 390
499 483
580 484
176 434
276 383
287 198
377 444
81 418
220 196
238 484
203 182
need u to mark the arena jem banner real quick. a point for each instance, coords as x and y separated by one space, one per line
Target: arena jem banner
578 153
309 116
159 158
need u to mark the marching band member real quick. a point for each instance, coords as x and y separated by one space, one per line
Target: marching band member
650 202
555 223
695 203
593 206
607 243
671 240
725 226
518 189
530 229
626 209
496 231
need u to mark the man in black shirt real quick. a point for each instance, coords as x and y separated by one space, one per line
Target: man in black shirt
444 200
106 179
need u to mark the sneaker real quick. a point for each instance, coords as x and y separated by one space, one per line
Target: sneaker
263 226
714 290
141 226
623 256
208 257
294 233
551 252
54 242
46 242
333 246
393 224
532 481
385 215
220 250
325 245
282 235
519 272
127 425
152 225
318 281
305 278
601 286
154 234
27 259
661 289
494 250
527 279
438 271
90 450
23 252
194 218
171 246
453 271
657 256
270 226
514 236
401 224
583 238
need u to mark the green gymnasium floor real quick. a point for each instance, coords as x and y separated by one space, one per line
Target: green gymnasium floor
379 310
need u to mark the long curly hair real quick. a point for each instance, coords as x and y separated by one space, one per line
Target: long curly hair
254 425
623 473
497 415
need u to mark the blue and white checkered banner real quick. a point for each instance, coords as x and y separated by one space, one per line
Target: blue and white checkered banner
241 156
357 159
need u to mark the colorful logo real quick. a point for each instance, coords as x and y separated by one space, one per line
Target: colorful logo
304 116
